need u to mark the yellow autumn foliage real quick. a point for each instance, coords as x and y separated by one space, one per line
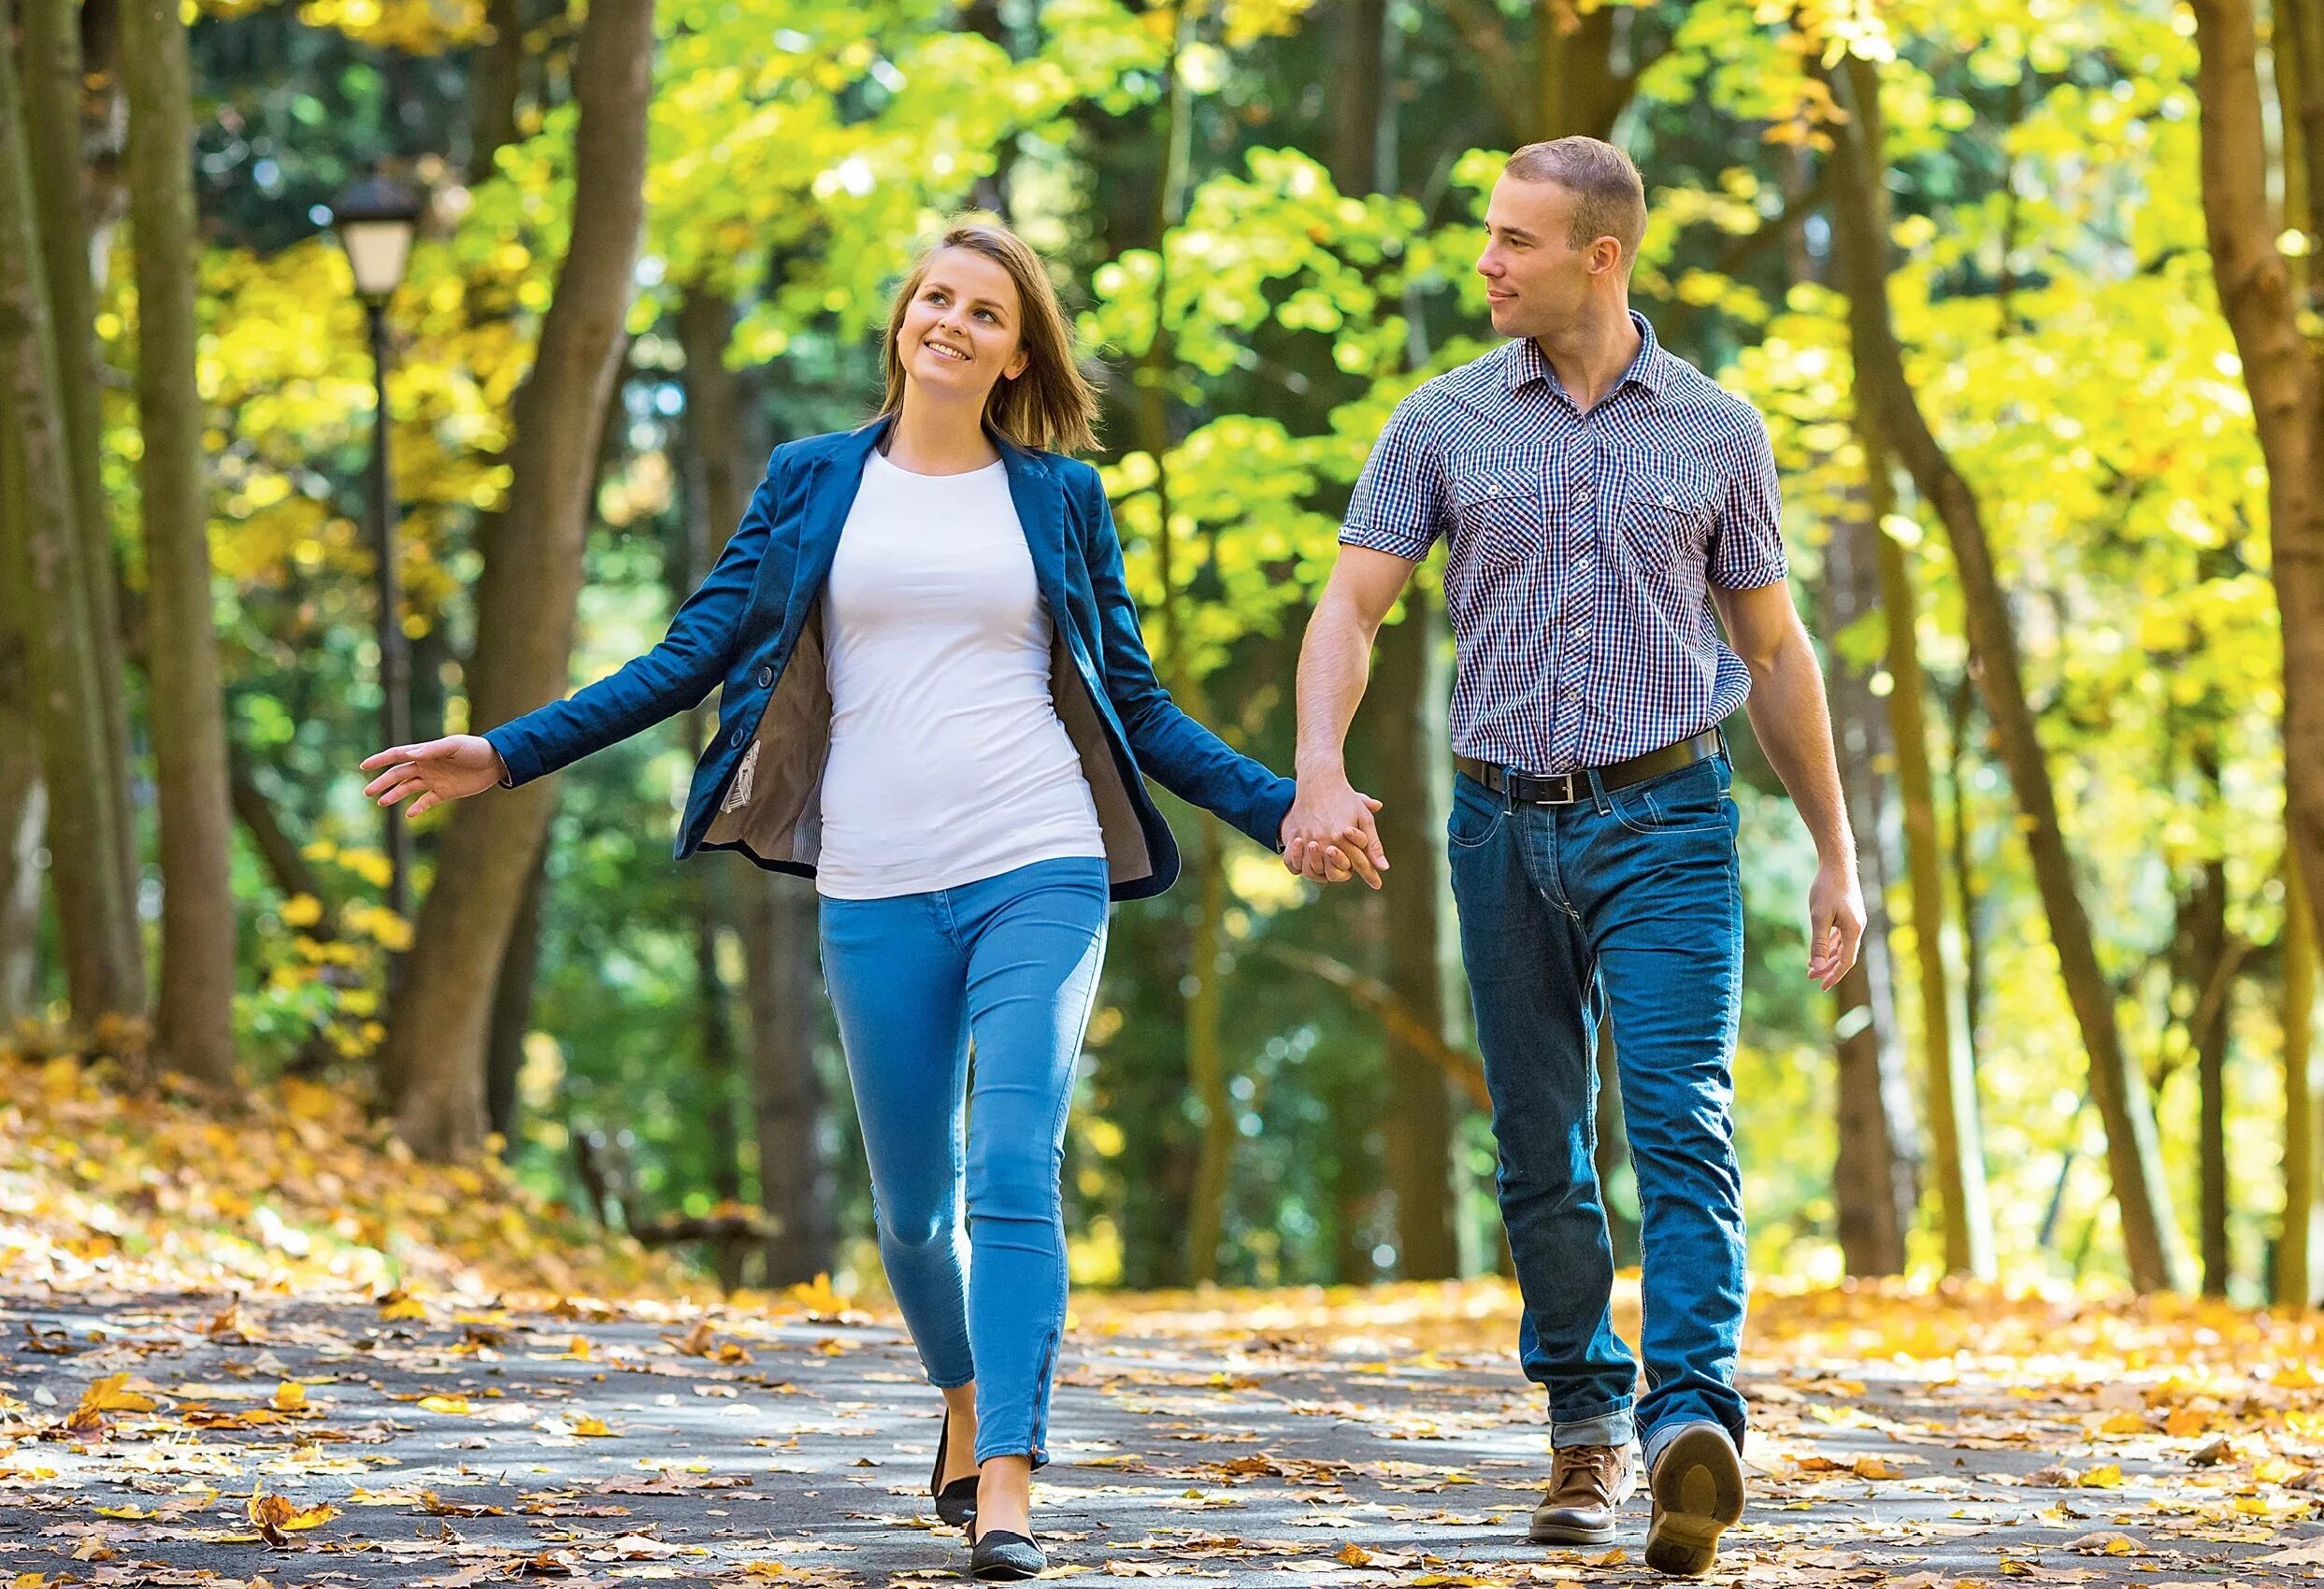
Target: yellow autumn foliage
295 1192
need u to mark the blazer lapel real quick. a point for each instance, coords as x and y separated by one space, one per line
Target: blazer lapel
1040 499
839 475
1034 489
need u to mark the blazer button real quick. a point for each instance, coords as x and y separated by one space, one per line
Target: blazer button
766 677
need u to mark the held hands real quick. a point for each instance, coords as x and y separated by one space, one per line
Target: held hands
440 770
1329 833
1835 922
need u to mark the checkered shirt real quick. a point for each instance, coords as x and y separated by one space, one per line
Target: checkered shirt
1582 548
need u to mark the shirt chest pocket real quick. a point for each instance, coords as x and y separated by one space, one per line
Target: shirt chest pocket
1499 511
1669 507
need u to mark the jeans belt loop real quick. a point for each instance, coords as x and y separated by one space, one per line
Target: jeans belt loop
1597 793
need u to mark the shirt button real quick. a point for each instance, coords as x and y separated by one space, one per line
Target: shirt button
737 738
766 677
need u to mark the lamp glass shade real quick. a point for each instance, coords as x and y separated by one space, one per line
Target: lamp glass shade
377 251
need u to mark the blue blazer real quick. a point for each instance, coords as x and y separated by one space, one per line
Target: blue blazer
757 626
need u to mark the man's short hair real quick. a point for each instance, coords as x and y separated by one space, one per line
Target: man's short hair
1609 198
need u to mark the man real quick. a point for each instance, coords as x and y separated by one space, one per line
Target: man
1600 496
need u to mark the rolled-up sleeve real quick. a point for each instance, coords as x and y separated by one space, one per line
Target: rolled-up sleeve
1398 504
1747 542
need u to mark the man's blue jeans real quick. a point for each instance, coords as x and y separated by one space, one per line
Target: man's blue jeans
1010 961
1627 904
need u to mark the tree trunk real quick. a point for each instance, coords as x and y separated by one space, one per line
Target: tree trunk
2203 943
195 1027
512 1003
1957 1139
773 915
705 324
2297 45
1206 1063
1418 1126
2303 1109
1960 717
41 552
1417 1130
2283 372
1206 1055
495 73
52 78
433 1063
775 918
1876 1182
23 804
2150 1237
1577 88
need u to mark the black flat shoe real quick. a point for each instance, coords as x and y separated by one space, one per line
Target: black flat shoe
955 1502
999 1554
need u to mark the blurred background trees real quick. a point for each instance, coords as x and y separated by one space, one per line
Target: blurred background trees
2027 289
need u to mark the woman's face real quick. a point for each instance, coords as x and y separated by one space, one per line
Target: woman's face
961 329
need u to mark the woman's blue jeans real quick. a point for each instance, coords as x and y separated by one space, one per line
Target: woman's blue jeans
1010 962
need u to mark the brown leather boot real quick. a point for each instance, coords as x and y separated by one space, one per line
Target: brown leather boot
1697 1490
1587 1486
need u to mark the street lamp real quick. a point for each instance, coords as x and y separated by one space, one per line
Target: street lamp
374 219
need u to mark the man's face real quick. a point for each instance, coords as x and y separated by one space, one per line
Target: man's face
1536 280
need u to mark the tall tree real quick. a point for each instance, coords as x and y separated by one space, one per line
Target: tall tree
776 919
188 723
2150 1237
432 1061
1875 1181
496 79
2205 971
773 915
2304 1108
23 797
53 75
2283 366
40 556
1408 724
1949 1080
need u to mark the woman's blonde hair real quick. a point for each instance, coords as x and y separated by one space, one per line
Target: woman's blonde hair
1050 405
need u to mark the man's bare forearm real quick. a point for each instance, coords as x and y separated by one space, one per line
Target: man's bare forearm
1789 715
1335 664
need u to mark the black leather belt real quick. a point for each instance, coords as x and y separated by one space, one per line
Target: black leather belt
1568 788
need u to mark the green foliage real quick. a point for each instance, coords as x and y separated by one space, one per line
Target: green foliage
2052 291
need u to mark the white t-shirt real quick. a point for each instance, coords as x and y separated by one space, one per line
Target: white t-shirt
947 761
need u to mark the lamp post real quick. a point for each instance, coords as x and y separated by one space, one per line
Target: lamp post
374 219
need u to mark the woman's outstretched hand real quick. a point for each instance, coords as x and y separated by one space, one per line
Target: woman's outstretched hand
438 771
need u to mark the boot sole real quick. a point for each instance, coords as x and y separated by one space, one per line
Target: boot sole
1569 1534
1697 1492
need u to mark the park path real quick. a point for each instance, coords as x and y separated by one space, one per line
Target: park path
1230 1440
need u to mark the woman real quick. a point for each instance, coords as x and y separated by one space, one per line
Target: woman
938 704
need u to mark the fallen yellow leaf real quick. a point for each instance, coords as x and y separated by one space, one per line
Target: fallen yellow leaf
2184 1422
446 1404
107 1395
279 1514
